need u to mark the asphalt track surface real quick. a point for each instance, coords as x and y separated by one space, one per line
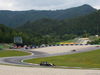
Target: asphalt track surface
18 60
80 41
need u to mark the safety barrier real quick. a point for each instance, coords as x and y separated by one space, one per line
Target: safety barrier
61 45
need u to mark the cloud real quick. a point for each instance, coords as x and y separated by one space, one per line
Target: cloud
44 4
38 4
5 4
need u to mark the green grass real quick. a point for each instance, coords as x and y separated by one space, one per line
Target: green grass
13 53
87 59
68 41
5 46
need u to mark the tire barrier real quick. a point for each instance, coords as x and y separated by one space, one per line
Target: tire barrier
57 45
34 47
66 44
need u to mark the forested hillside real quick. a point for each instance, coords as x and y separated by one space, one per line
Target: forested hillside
48 27
7 35
76 26
15 18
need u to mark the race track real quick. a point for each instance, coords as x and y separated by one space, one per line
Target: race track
15 70
40 53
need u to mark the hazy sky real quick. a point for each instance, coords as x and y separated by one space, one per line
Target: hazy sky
45 4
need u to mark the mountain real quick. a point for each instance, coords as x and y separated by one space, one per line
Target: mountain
15 18
77 26
77 11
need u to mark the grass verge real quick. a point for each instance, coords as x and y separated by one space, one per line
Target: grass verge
87 59
5 46
13 53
